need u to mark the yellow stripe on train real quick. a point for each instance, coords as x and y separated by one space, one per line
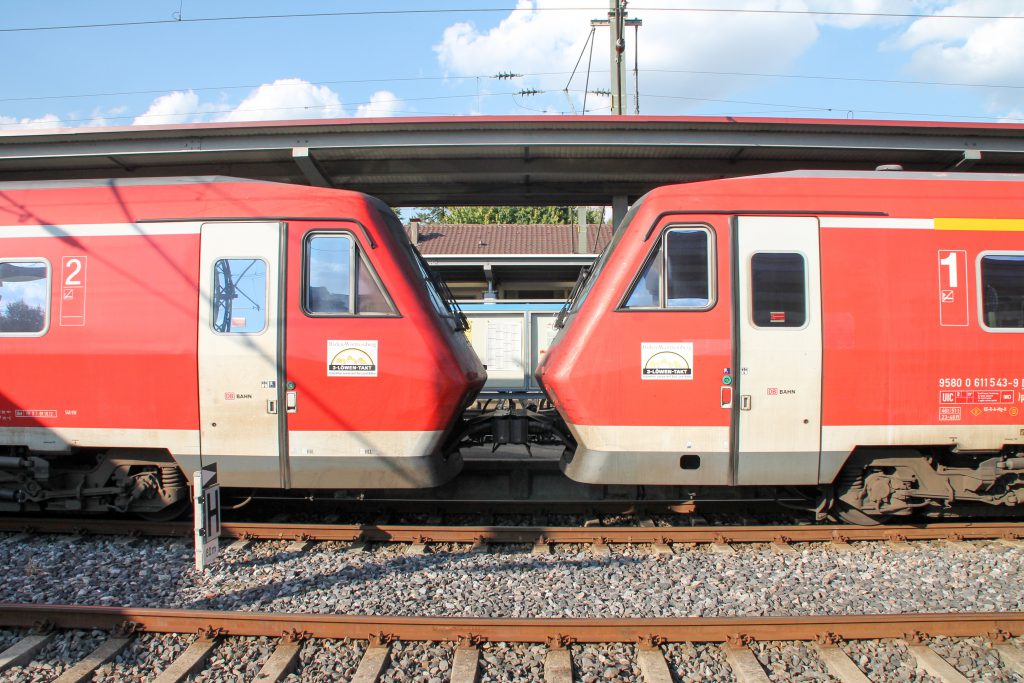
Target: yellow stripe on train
986 224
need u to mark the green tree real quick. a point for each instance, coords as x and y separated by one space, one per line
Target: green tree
517 215
20 317
431 214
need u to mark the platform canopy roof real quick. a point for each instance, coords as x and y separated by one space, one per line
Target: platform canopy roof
508 160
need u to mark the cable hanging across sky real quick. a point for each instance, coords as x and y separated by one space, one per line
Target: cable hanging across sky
492 10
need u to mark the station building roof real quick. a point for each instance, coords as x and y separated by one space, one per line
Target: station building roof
535 160
451 239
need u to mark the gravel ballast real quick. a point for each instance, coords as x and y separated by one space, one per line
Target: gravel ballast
974 659
792 662
62 653
422 662
8 637
236 659
144 657
697 662
511 662
886 660
328 660
605 662
869 579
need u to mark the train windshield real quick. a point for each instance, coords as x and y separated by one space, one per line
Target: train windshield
588 276
440 295
437 291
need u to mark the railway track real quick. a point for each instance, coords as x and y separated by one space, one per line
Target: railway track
650 637
539 536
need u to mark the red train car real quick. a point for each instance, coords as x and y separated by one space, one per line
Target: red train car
858 332
290 334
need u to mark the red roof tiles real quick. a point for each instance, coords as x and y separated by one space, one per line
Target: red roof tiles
460 238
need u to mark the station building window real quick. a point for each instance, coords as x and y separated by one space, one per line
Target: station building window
339 280
1002 291
24 297
240 296
677 275
778 283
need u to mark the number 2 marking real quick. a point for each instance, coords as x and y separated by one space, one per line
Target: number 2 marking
76 268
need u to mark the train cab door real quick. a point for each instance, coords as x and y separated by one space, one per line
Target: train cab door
778 435
240 338
335 391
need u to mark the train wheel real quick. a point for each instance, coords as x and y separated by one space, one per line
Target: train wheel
174 511
852 515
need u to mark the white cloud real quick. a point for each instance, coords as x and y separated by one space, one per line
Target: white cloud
107 117
540 42
676 45
47 121
382 103
976 51
175 107
843 12
286 98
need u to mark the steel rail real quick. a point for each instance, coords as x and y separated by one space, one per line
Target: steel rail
385 628
625 534
534 534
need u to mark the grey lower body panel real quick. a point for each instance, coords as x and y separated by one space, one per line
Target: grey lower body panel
654 468
830 464
331 472
790 468
373 472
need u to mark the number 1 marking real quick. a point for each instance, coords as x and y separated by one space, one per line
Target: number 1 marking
951 262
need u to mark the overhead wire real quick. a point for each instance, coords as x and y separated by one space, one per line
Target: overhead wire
407 79
210 112
347 81
848 79
776 108
794 107
489 10
590 60
179 19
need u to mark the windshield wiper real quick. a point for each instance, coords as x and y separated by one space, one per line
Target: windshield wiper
444 293
573 295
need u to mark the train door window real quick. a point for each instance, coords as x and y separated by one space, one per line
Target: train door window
1002 291
339 279
240 296
24 297
778 283
677 275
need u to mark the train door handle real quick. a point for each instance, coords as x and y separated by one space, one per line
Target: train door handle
291 402
272 406
745 402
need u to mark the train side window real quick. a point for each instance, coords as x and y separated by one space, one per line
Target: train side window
240 296
24 297
329 274
677 274
778 283
1002 291
339 279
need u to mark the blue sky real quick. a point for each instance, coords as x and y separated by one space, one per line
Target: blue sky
744 63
